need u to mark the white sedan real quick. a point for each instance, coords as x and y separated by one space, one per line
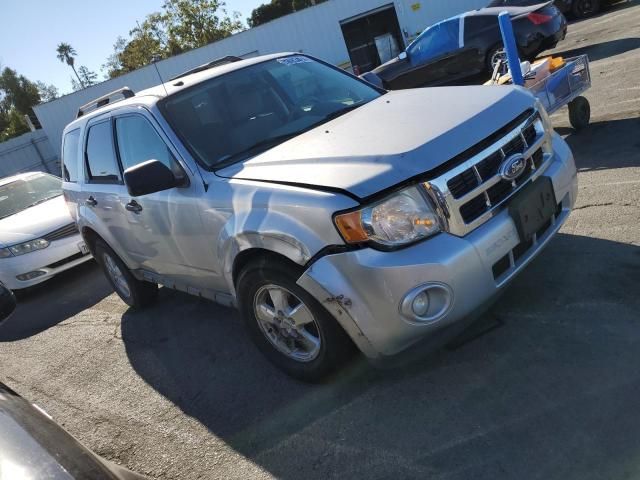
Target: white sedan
38 237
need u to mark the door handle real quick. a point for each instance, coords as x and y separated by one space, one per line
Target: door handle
133 206
92 202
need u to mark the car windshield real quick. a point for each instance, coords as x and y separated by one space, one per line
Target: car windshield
513 3
245 112
26 192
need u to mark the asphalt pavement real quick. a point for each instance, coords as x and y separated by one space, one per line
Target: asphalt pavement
179 392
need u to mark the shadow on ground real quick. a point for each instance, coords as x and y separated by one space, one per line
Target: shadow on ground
598 51
606 144
65 295
606 9
550 394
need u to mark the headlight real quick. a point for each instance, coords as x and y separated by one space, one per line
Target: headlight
402 218
30 246
5 252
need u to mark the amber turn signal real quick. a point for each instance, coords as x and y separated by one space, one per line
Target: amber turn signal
350 227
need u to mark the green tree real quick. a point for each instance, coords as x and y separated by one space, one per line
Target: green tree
18 91
276 9
66 54
12 124
17 97
194 23
86 78
182 25
47 92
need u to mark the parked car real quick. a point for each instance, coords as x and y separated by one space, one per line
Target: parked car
577 8
38 236
330 212
469 44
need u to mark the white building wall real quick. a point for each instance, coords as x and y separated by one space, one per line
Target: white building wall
28 153
314 30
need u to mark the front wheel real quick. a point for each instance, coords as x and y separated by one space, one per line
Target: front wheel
135 293
288 325
584 8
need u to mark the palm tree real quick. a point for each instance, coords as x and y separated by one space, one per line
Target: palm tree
65 54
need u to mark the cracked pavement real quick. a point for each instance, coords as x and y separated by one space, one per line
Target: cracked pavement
179 392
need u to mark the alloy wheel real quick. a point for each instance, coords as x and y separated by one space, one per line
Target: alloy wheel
287 323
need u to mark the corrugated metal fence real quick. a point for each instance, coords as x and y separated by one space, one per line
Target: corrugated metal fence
29 152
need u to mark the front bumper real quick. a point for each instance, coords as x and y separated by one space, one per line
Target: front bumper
364 289
59 256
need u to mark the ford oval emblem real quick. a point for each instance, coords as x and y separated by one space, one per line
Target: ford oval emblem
513 167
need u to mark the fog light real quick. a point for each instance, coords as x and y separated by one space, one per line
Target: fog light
31 275
420 305
428 302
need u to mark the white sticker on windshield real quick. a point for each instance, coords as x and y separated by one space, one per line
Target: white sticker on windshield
294 60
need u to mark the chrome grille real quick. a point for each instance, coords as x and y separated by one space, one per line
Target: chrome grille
63 232
472 191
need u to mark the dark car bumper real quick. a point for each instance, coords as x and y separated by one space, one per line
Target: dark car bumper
535 39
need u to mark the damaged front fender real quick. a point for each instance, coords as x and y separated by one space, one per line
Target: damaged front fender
333 291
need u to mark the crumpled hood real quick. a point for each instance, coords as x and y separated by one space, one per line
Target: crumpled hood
395 137
34 222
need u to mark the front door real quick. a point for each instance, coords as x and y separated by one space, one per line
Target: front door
165 228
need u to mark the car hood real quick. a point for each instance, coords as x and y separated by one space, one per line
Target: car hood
34 222
398 136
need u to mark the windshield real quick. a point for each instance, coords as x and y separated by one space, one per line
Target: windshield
27 192
244 112
513 3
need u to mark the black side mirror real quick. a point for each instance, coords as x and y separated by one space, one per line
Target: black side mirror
149 177
7 302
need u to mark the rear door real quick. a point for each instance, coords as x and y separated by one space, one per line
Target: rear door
164 228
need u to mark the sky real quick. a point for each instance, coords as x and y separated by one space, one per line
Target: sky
30 31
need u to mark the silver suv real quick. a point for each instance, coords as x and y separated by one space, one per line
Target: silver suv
333 214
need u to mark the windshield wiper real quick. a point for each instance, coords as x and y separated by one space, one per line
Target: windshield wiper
262 145
340 112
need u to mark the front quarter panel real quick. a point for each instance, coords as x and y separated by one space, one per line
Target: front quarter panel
291 221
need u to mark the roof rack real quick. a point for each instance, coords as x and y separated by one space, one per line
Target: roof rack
99 102
206 66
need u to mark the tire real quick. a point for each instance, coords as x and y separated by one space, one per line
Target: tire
584 8
135 293
491 55
257 286
579 113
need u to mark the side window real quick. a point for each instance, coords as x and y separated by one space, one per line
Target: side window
138 142
437 40
478 25
70 156
100 156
